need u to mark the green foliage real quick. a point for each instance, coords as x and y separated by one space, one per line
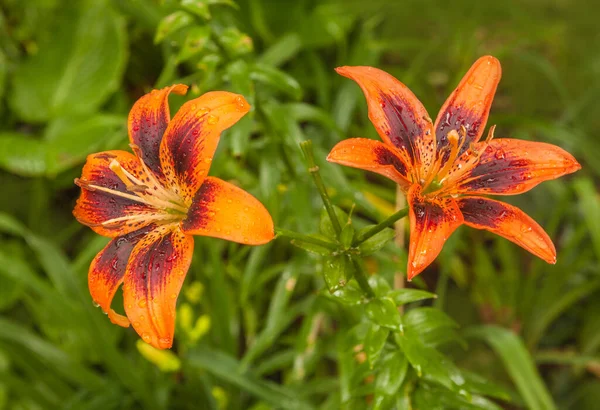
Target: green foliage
315 319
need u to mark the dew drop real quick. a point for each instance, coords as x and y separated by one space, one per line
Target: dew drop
525 228
212 119
142 303
164 342
96 304
146 337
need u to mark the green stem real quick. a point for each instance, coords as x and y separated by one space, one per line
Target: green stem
361 277
307 150
305 238
388 222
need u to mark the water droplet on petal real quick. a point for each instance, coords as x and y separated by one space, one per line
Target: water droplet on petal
212 119
164 342
146 337
142 303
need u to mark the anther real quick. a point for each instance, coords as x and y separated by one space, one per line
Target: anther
137 188
490 135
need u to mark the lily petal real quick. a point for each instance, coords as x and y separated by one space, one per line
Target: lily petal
153 278
469 105
192 136
222 210
148 120
371 155
432 221
105 204
399 117
107 271
510 166
509 222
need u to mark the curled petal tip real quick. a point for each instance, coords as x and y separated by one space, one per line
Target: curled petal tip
490 60
242 104
180 89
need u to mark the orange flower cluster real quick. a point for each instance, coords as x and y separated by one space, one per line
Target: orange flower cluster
151 202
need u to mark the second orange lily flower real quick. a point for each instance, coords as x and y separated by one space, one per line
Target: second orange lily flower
443 167
151 204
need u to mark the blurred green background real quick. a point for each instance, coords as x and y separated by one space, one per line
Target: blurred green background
256 327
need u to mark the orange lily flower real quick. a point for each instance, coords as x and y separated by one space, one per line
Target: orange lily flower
443 167
151 204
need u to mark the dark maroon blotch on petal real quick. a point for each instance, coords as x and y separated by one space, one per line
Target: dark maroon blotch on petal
385 157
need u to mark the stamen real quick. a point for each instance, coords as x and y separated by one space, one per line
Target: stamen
138 217
138 188
474 157
453 139
118 170
490 135
162 190
150 201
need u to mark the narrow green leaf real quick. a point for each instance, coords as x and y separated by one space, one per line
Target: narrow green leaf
518 363
172 23
384 312
347 236
391 373
404 296
197 7
374 342
336 271
196 39
375 242
226 368
325 225
351 294
277 79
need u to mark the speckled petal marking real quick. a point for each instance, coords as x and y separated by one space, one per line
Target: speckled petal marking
468 106
510 166
509 222
373 156
399 117
432 221
190 141
148 120
108 269
153 278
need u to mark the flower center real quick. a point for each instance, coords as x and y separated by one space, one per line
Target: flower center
169 207
441 181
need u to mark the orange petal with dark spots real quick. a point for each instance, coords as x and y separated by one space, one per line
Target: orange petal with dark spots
509 222
190 141
156 270
432 221
148 120
222 210
399 117
113 213
107 271
510 166
469 105
373 156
